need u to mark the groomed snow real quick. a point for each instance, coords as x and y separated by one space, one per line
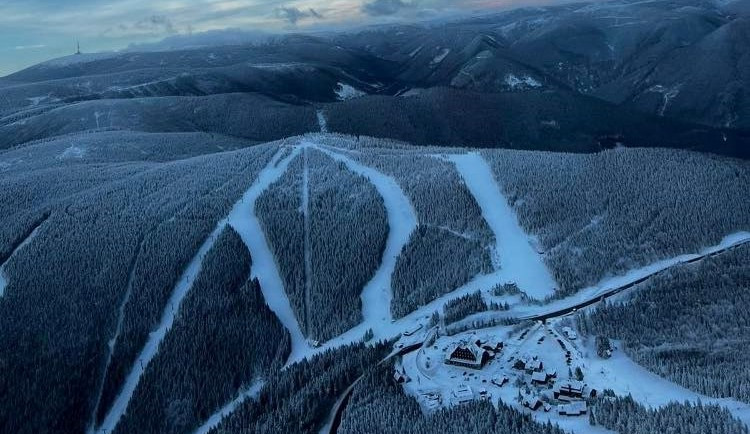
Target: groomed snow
216 418
519 262
245 221
402 222
346 92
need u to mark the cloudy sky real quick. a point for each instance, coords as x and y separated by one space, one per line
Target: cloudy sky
35 30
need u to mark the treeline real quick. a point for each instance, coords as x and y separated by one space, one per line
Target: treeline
691 326
625 415
61 306
301 398
433 263
347 234
379 405
462 307
607 213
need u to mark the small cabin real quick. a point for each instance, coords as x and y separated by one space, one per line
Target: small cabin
569 390
575 408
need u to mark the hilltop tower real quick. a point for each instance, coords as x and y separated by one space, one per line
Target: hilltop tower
78 47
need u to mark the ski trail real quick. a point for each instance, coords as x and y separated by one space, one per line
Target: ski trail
3 277
244 220
402 221
308 246
322 121
115 337
519 262
180 291
155 337
230 407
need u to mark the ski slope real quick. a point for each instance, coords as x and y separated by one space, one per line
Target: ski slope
245 221
251 393
519 262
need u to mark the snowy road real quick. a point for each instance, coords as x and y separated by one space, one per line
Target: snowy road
245 221
519 262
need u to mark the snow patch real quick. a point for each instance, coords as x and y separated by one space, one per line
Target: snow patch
346 92
524 82
72 152
440 57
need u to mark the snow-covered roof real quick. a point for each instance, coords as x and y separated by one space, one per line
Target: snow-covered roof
539 376
573 408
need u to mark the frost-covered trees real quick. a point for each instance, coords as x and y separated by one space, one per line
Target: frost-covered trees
223 338
603 214
300 399
65 288
328 240
462 307
690 325
450 225
625 415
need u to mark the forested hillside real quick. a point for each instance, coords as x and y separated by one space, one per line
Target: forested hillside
224 337
328 240
603 214
690 325
137 226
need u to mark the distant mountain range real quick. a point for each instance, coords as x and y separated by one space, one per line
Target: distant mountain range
578 77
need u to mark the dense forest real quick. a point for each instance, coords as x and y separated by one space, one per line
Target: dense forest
602 214
137 226
691 325
624 415
300 398
344 231
223 338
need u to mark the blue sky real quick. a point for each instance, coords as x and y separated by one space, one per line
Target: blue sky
32 31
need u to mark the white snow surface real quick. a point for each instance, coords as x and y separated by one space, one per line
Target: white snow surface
322 121
524 82
625 376
3 282
245 221
519 262
346 92
251 393
441 56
